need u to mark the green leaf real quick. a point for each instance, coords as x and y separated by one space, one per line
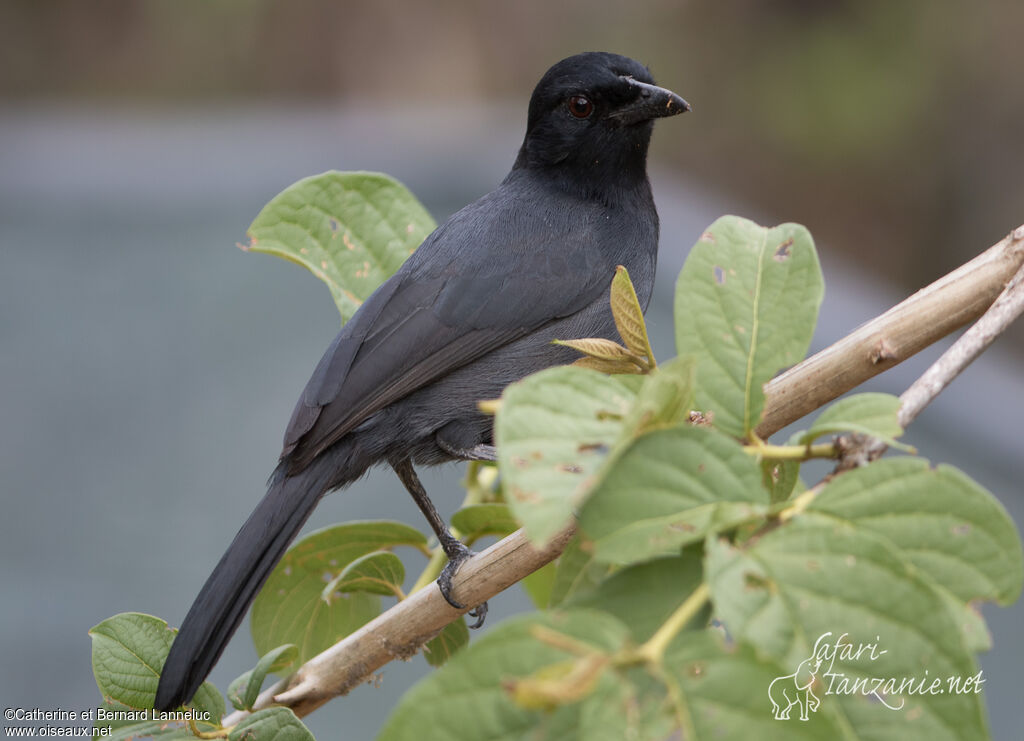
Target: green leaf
746 305
290 609
208 703
244 690
352 230
669 488
271 724
539 584
664 399
380 572
939 519
477 520
816 581
470 697
443 646
121 722
128 652
725 694
553 432
576 570
779 478
873 414
644 595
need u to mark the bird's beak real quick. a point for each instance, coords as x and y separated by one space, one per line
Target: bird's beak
652 102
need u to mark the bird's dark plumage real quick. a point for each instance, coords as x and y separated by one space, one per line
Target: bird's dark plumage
473 309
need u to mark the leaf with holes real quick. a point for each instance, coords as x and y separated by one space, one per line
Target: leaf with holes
940 520
746 305
817 584
352 230
290 608
553 431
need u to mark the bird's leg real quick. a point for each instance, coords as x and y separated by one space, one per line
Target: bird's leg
454 548
476 453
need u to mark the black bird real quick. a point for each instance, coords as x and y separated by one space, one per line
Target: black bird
473 309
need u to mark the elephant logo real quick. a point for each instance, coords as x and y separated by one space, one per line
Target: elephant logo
796 689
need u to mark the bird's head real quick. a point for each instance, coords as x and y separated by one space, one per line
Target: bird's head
591 115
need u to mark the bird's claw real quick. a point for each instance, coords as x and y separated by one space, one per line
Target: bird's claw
444 582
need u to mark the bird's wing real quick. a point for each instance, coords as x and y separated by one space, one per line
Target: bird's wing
441 312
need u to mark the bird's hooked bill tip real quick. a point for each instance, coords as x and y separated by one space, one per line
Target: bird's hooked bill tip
652 102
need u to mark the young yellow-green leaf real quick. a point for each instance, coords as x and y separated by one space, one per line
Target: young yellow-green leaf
380 572
443 646
290 608
244 690
352 230
609 366
470 697
271 724
873 414
746 305
602 349
816 580
629 318
553 432
940 520
477 520
671 487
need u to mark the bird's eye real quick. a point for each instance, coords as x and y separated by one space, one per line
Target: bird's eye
580 106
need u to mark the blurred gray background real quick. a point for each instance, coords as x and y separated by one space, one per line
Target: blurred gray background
149 367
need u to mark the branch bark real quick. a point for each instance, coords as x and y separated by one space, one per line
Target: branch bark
904 330
927 316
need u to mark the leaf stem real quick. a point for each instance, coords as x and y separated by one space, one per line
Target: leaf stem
218 733
792 452
654 649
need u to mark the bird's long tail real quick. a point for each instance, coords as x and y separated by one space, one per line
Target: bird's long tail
234 583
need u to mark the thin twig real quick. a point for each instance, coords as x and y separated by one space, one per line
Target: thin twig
962 353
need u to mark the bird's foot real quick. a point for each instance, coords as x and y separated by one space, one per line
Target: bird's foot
457 553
